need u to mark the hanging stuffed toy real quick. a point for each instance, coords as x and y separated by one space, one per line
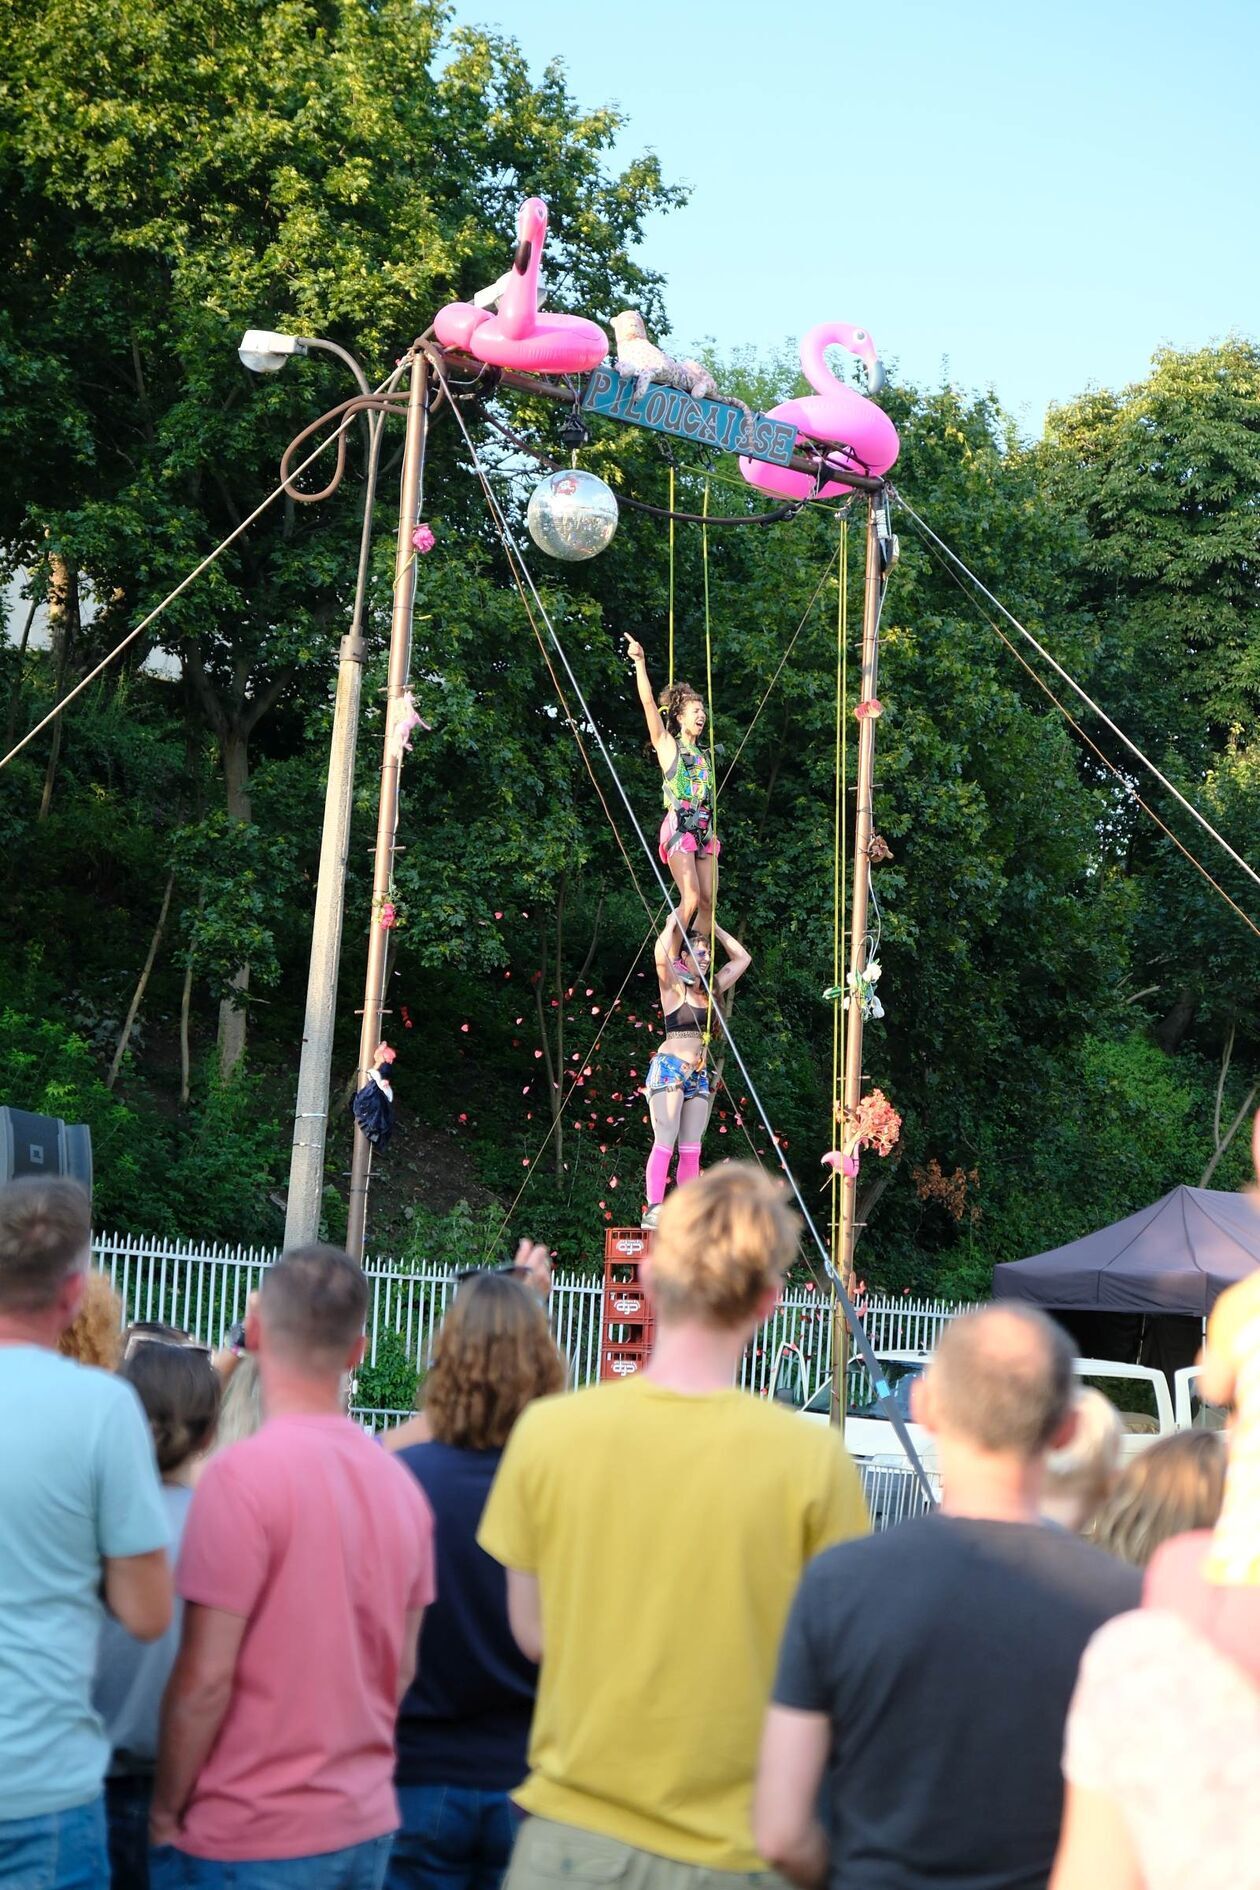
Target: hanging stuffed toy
373 1105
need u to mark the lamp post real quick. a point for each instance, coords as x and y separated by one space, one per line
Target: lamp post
264 353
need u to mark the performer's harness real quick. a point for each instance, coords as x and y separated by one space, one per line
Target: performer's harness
686 793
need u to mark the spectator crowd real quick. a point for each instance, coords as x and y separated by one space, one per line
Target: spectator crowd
636 1636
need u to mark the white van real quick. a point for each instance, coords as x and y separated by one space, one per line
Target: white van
1139 1392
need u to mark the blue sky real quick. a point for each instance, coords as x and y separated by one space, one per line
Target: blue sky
1018 195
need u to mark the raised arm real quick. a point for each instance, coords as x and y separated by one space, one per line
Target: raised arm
737 960
671 941
663 742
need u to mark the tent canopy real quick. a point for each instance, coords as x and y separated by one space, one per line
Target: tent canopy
1175 1256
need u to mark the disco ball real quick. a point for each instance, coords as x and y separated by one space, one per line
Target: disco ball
572 515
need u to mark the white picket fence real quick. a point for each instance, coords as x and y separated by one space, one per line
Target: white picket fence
203 1289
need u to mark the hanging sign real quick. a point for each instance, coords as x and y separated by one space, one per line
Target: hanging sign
708 422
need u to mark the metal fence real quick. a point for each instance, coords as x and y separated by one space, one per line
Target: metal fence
204 1288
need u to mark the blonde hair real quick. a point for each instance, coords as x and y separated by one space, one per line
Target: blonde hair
1083 1473
493 1355
94 1337
1172 1486
723 1241
241 1410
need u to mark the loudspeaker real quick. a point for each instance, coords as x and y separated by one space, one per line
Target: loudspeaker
44 1145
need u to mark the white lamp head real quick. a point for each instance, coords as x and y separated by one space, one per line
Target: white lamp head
263 351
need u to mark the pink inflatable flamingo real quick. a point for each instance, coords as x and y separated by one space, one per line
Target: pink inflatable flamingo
519 336
834 412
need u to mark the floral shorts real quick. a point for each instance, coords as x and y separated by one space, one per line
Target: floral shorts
670 1072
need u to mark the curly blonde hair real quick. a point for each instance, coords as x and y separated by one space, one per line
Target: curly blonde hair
723 1241
493 1355
95 1336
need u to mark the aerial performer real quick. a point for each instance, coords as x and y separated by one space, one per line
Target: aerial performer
688 844
677 1086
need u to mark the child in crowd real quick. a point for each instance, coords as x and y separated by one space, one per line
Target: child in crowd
179 1389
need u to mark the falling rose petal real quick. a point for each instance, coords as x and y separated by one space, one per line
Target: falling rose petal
603 1204
498 915
524 1161
608 1217
527 1088
594 1010
462 1116
538 1053
464 1028
520 1020
613 1182
603 1149
722 1129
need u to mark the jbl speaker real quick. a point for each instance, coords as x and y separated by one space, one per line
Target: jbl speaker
44 1145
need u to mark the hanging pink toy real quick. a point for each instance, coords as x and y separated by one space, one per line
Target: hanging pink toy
519 336
834 412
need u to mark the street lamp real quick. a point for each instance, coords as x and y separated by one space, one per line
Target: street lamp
264 352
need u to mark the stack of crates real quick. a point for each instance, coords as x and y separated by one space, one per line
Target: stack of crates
627 1324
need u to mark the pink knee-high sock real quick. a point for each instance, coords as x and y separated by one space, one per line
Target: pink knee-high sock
688 1162
658 1173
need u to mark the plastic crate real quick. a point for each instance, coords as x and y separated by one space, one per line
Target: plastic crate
626 1304
623 1361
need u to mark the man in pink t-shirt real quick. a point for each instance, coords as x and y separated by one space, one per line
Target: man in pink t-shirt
307 1563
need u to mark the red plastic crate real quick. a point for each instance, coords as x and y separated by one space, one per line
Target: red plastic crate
626 1244
626 1304
623 1361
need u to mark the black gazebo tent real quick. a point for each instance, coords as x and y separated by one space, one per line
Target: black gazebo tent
1175 1256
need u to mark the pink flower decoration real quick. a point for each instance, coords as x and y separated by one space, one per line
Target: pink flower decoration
872 708
422 538
389 916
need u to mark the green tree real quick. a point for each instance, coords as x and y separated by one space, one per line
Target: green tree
171 173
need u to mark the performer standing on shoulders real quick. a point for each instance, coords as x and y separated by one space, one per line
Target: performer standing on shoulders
688 844
677 1084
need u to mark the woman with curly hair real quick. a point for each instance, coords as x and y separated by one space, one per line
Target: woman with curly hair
96 1335
464 1722
688 844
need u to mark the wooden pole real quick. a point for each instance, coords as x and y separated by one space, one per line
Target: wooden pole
863 828
391 769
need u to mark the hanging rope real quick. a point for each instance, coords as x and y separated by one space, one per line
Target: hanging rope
713 780
841 864
671 575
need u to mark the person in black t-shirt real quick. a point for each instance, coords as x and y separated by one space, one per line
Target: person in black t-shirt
926 1672
463 1726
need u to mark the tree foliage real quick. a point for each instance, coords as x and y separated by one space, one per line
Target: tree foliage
1071 1008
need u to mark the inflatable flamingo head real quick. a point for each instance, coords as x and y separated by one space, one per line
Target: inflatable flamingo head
858 341
531 233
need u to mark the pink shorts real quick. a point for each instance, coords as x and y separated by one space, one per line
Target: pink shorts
671 841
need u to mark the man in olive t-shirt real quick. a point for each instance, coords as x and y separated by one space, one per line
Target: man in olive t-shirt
654 1532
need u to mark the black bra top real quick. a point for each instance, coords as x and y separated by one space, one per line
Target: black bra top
687 1020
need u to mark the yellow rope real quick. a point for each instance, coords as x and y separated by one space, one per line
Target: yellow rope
713 782
840 877
671 574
